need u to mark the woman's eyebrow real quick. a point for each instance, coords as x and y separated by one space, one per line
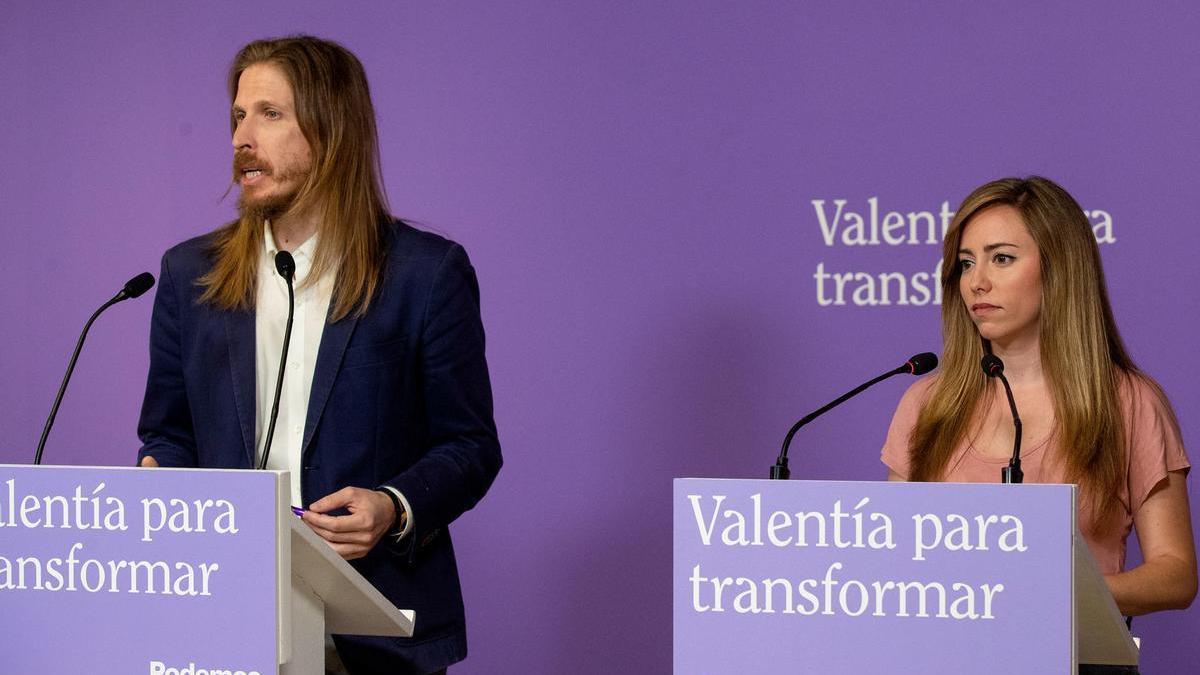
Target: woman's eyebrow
990 247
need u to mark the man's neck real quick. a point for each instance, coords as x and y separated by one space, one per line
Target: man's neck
292 231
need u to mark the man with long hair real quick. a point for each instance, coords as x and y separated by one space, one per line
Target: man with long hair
385 413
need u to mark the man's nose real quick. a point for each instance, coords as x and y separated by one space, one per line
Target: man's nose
243 137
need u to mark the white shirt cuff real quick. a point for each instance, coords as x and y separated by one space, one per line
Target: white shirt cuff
408 522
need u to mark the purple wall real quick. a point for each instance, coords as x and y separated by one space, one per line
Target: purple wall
635 186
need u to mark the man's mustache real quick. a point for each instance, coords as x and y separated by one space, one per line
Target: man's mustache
244 160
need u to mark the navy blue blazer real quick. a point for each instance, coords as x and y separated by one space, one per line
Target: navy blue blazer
400 397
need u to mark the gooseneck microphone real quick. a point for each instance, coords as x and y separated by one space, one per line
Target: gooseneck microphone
994 367
132 289
286 266
917 365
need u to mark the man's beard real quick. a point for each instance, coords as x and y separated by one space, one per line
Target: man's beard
273 205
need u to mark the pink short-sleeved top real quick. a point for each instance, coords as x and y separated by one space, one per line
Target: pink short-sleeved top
1155 448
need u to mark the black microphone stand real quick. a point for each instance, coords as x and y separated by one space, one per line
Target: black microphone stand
286 266
133 288
994 367
917 365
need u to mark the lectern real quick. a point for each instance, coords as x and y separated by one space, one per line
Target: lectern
886 577
327 594
170 572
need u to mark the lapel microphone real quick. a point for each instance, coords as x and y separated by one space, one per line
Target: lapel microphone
132 289
286 266
994 367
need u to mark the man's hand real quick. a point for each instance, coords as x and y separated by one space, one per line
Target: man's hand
352 536
149 461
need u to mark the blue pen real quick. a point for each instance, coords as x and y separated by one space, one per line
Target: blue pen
298 511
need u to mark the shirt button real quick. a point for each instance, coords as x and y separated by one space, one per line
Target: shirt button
297 429
294 365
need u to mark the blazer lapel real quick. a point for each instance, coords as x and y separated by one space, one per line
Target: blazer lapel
239 327
334 339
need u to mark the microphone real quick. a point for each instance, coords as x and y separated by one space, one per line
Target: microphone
132 289
994 367
286 266
137 285
917 365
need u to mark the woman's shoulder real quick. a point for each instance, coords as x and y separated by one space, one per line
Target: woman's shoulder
1151 426
918 392
1143 399
1153 439
895 447
910 405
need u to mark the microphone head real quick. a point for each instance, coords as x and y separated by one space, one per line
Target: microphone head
922 363
992 365
285 264
138 285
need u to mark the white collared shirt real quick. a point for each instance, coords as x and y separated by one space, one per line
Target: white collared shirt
308 324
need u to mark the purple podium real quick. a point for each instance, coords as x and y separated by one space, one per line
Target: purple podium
170 572
886 577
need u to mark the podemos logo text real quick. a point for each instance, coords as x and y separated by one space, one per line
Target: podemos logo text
160 668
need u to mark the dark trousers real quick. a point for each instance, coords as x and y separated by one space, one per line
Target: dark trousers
342 670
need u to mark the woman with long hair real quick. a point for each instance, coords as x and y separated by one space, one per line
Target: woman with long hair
1022 280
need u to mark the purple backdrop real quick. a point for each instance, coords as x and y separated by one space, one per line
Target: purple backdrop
635 185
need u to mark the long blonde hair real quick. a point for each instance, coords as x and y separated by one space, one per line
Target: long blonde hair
1082 354
333 107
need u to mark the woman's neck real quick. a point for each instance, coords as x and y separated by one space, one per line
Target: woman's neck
1022 361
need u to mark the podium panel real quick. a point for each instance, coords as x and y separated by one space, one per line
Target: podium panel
123 570
168 571
879 577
